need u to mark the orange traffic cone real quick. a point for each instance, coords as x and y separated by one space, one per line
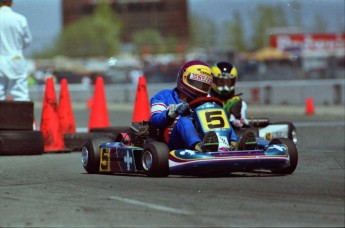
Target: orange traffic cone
99 113
142 105
65 111
50 127
309 106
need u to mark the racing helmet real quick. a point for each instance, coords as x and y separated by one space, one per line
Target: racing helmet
194 79
224 78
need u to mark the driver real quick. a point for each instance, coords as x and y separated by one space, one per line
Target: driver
223 87
170 112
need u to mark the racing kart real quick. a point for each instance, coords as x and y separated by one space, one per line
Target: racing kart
144 150
263 128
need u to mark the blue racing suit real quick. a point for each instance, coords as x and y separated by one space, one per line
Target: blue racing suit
183 134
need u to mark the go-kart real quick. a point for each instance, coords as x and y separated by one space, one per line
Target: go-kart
263 127
143 150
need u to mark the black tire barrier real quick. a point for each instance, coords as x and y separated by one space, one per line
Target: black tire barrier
75 141
16 115
21 142
114 130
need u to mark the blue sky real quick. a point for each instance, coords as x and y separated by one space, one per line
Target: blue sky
45 18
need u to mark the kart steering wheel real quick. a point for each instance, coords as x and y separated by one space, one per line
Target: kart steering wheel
193 104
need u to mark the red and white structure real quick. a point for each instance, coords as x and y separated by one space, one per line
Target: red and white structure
315 50
310 44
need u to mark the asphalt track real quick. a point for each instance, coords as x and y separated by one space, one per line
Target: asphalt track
53 190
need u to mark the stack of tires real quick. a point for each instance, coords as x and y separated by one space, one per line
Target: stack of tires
17 136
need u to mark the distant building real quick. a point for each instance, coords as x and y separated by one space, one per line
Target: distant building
169 17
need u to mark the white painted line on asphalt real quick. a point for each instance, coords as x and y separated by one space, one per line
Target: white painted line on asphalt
152 206
320 124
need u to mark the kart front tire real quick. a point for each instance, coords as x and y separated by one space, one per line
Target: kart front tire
293 154
90 154
155 159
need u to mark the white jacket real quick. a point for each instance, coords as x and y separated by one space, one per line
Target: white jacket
15 35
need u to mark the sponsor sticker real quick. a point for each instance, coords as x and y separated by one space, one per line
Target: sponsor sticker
105 160
128 159
201 78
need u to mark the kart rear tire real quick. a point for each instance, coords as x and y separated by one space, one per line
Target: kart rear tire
293 154
21 143
90 154
155 159
292 132
75 141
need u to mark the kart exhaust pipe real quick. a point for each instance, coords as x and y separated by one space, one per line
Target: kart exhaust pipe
259 122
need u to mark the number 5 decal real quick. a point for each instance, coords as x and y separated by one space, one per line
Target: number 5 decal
105 159
211 119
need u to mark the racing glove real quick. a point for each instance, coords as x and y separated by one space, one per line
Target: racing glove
237 123
245 122
181 109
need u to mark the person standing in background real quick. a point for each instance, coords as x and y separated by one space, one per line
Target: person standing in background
15 36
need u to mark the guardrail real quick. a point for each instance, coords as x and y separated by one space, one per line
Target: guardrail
325 92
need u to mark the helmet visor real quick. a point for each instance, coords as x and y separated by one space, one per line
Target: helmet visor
199 82
224 81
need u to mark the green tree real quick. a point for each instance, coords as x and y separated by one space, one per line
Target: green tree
171 43
95 35
203 32
266 17
148 41
296 14
234 34
320 25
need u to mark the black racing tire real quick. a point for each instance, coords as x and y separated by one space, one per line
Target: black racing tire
155 159
292 132
16 115
21 143
75 141
90 154
293 154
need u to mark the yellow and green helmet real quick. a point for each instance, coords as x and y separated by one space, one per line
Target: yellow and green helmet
224 78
